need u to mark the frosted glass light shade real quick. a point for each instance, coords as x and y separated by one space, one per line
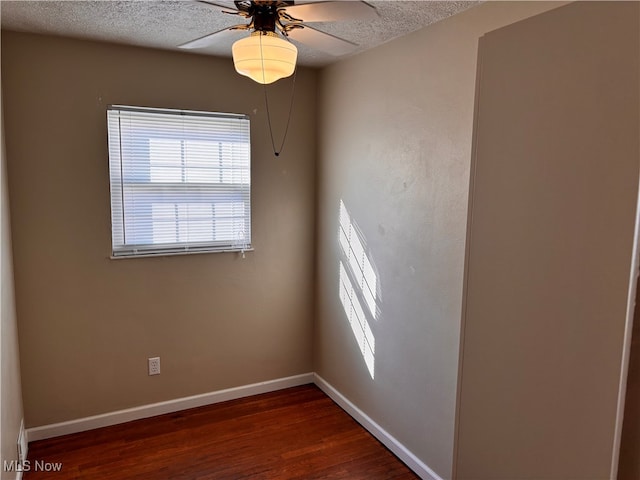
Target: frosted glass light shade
264 57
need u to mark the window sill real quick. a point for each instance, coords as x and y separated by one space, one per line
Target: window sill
187 252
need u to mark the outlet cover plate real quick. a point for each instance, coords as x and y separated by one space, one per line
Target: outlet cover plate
154 366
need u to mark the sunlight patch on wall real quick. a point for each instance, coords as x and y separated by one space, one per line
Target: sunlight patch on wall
358 286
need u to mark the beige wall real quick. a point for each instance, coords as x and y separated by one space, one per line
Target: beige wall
395 147
10 389
88 323
551 238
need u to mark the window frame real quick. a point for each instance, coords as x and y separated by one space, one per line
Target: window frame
126 183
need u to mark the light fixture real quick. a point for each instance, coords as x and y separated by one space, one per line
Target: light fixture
264 57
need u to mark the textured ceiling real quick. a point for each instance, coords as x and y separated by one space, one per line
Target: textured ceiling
166 24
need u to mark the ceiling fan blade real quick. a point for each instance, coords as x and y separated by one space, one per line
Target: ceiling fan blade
322 41
211 38
227 5
332 11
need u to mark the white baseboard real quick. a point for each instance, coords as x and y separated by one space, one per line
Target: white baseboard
23 443
403 453
170 406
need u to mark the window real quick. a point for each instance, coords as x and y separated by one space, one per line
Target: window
180 181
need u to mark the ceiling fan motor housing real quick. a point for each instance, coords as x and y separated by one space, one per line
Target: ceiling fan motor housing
266 14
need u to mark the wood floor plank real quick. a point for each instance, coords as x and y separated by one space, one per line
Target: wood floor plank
297 433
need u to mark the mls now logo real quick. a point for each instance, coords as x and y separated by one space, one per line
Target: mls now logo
28 465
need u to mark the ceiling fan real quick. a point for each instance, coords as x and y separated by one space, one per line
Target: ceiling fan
268 54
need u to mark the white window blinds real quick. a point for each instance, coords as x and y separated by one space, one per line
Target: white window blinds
180 181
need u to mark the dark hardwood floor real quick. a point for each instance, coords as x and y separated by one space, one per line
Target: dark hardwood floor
297 433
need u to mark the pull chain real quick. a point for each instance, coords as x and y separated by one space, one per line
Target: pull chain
266 102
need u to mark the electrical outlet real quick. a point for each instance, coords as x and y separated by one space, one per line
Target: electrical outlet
154 366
